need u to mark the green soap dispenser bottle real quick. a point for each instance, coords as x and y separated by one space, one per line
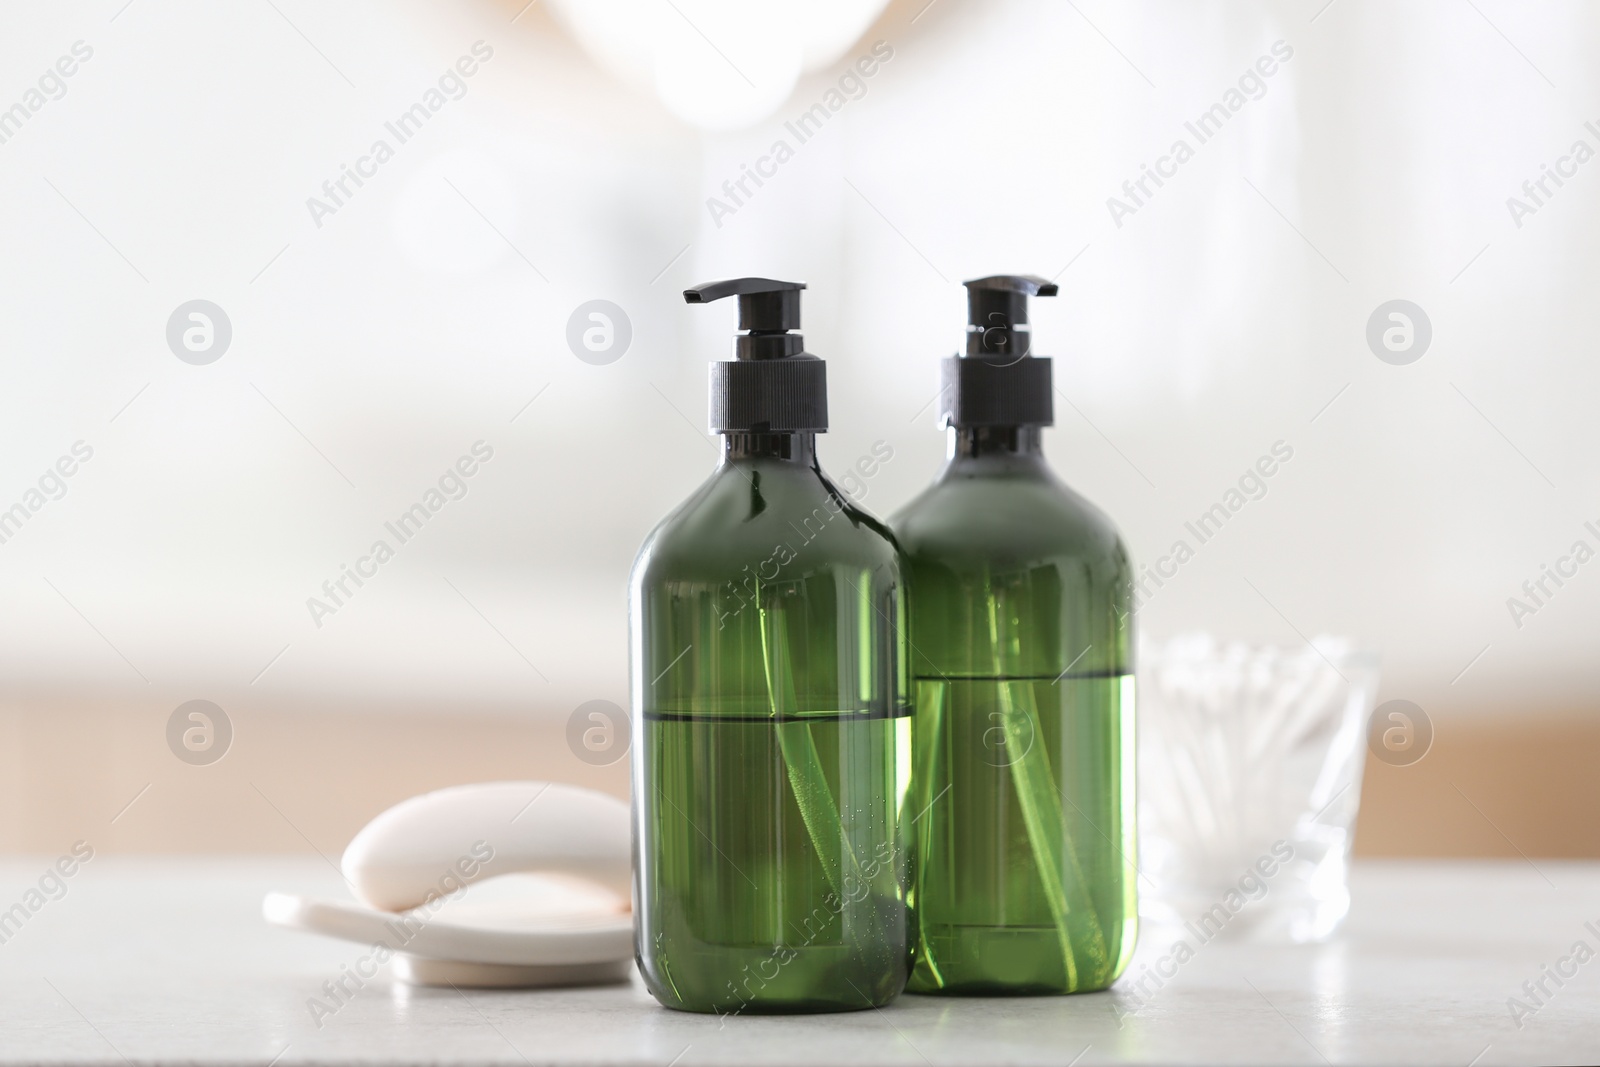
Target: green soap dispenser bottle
772 745
1021 647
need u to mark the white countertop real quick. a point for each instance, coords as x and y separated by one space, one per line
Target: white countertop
148 960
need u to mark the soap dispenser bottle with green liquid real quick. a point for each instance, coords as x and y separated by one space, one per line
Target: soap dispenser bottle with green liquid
772 747
1021 644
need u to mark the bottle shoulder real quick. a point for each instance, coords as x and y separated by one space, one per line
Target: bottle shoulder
975 516
1010 572
752 512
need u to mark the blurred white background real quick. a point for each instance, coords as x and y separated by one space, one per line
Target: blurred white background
374 345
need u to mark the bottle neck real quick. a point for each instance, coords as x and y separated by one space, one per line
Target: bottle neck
797 448
973 442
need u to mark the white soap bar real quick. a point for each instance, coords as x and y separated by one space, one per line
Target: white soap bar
437 843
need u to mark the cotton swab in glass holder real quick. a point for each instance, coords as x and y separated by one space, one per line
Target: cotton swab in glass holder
1250 761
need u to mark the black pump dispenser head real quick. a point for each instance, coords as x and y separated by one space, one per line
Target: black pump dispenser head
772 385
997 313
999 382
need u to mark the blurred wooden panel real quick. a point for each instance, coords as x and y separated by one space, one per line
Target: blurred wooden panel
1521 782
292 779
302 777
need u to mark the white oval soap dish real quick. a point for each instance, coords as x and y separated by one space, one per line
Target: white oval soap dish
549 871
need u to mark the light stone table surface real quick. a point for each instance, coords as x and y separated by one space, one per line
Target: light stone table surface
167 960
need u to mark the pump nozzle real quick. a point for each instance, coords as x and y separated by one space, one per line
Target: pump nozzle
997 313
767 309
772 385
999 382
